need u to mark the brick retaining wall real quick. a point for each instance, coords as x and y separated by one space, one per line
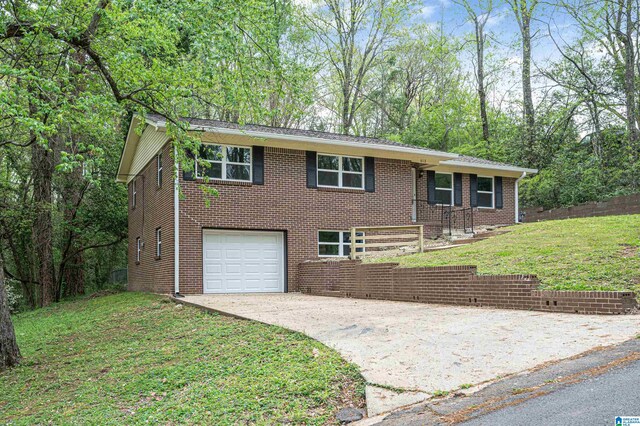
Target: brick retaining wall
452 285
624 204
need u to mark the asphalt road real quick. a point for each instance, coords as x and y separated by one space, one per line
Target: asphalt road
591 389
594 401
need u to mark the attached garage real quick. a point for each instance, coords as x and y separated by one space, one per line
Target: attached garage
243 261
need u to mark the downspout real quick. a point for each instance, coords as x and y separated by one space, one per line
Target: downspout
517 196
176 225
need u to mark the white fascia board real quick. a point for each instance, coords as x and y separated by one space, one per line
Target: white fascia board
488 166
298 138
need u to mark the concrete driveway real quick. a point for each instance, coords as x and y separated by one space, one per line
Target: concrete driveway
423 348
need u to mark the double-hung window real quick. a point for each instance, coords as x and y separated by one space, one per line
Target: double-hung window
158 242
444 188
159 167
485 192
224 162
336 243
340 171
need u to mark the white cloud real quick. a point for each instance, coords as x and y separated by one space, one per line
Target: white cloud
426 12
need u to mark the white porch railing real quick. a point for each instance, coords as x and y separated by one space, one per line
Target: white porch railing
386 240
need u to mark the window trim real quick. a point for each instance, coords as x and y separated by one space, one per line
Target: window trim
138 249
492 192
159 169
339 171
444 189
224 162
340 243
158 242
134 193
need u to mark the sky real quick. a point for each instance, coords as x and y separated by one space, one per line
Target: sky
505 38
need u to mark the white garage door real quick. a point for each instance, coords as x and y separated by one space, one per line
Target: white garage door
243 261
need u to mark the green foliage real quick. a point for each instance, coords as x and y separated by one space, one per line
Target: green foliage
136 358
576 174
598 253
72 76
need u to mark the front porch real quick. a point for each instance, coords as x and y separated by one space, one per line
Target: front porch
447 220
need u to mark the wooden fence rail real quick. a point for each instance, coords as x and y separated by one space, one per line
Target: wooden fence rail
383 238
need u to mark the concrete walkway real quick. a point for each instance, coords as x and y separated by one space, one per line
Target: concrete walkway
423 348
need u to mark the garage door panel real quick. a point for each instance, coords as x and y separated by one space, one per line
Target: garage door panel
213 268
212 254
233 254
271 285
269 269
243 261
233 268
252 254
270 254
233 284
213 285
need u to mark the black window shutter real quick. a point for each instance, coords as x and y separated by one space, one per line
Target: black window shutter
473 193
431 187
498 192
258 165
189 175
312 170
369 174
457 189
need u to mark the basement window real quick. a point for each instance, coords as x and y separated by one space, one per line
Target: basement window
336 243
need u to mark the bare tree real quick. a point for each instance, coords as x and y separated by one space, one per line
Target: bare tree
352 35
9 351
523 11
479 18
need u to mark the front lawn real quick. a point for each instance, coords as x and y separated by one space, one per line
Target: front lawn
600 253
134 358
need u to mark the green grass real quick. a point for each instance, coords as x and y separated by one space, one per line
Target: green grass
134 358
599 253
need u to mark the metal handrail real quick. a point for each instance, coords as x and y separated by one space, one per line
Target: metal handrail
449 217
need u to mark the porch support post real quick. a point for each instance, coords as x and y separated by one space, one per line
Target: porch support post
421 238
352 255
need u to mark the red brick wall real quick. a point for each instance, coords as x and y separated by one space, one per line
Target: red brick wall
154 208
284 203
482 216
453 285
624 204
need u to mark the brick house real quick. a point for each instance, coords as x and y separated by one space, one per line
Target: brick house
285 196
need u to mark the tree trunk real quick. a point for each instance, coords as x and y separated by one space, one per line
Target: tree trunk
630 82
481 89
529 118
70 270
74 276
9 351
42 166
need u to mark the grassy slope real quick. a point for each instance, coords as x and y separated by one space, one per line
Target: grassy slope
575 254
134 358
